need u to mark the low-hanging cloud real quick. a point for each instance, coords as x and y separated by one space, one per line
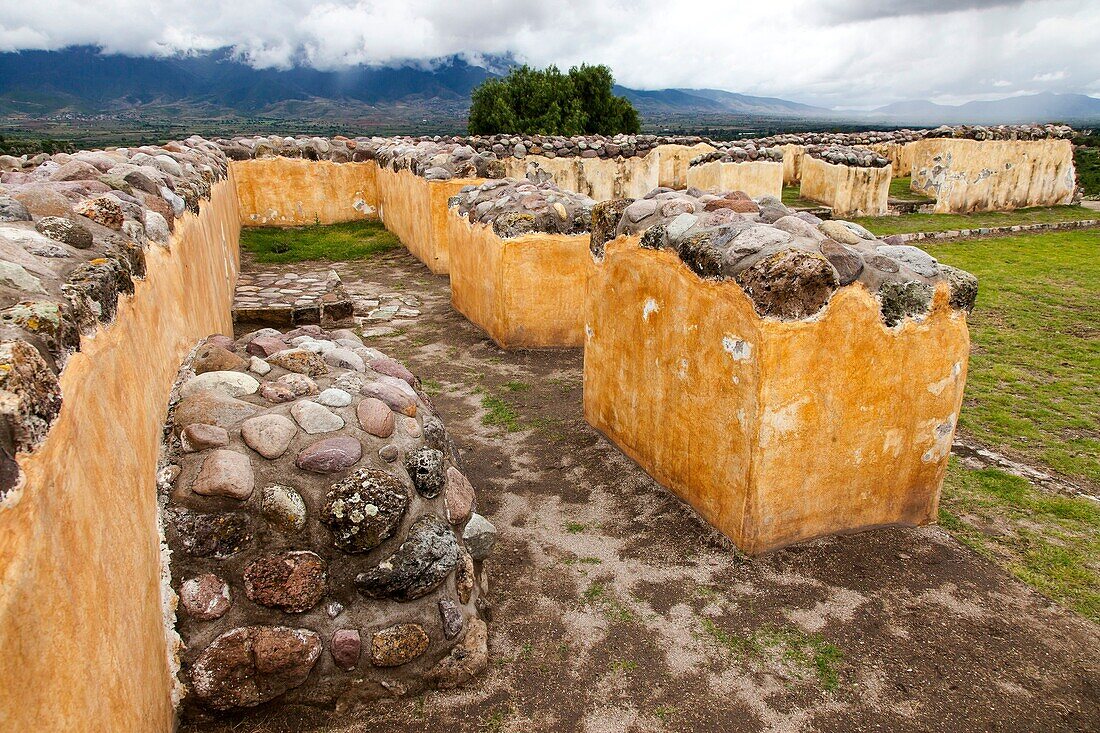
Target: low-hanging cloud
826 52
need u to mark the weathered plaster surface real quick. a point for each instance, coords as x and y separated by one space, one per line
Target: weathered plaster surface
848 190
792 163
526 292
993 175
415 210
713 401
674 162
295 191
81 626
756 178
602 179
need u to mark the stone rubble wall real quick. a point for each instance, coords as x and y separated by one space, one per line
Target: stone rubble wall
968 175
325 544
116 262
848 190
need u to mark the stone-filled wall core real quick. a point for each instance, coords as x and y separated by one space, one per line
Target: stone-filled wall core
325 547
702 339
133 255
993 175
520 261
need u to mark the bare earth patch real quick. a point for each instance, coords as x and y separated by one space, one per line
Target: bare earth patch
615 608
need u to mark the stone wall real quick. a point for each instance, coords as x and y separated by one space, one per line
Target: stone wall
601 179
675 160
792 163
82 626
324 542
283 192
993 175
705 381
755 178
848 190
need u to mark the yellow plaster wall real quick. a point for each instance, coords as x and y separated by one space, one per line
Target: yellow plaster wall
775 432
415 210
848 190
602 179
993 175
792 163
756 177
284 192
900 156
82 636
527 292
674 162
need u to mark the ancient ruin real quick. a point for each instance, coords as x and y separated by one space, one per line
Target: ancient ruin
283 517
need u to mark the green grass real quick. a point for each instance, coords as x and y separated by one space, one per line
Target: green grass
1032 388
499 413
1087 162
906 223
791 198
899 189
337 242
1050 542
805 651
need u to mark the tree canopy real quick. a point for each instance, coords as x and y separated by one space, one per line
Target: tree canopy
548 102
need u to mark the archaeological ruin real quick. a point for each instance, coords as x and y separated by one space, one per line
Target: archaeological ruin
238 517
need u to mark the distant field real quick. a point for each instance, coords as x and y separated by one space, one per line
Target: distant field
886 225
338 242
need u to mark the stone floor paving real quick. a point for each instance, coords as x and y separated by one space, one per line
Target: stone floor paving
290 297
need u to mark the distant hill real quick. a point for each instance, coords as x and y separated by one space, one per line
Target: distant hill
82 80
1045 107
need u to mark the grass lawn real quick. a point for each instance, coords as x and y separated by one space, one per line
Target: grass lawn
1033 392
791 198
1087 163
354 240
885 225
899 189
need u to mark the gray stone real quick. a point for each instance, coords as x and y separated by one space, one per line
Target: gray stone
230 384
13 210
364 509
65 231
269 435
420 565
426 469
451 616
480 535
315 418
915 258
333 397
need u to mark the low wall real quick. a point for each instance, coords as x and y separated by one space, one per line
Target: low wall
284 192
848 190
83 632
602 179
900 156
993 175
792 163
756 178
526 292
415 209
674 162
711 400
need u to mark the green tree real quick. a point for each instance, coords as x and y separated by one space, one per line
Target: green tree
548 102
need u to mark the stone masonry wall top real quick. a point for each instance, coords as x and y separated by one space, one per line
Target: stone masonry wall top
847 155
514 207
73 233
325 545
789 263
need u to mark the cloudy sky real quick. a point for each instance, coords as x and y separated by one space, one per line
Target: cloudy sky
846 53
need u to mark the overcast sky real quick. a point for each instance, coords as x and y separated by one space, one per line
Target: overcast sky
837 53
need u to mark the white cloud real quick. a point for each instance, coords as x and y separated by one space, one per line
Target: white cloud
827 52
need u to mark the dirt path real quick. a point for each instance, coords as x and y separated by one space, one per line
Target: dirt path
615 608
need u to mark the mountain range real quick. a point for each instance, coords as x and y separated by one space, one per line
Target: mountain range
85 81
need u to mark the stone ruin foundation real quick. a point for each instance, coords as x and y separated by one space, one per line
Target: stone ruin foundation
325 548
789 377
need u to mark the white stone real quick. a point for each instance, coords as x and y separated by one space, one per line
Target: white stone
333 397
258 365
315 418
232 384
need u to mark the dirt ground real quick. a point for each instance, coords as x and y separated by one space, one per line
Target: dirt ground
615 608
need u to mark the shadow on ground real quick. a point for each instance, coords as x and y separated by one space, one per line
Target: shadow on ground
615 608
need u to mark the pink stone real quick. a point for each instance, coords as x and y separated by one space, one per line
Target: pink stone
225 473
205 597
346 647
330 455
375 417
393 368
265 346
199 436
397 400
458 496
